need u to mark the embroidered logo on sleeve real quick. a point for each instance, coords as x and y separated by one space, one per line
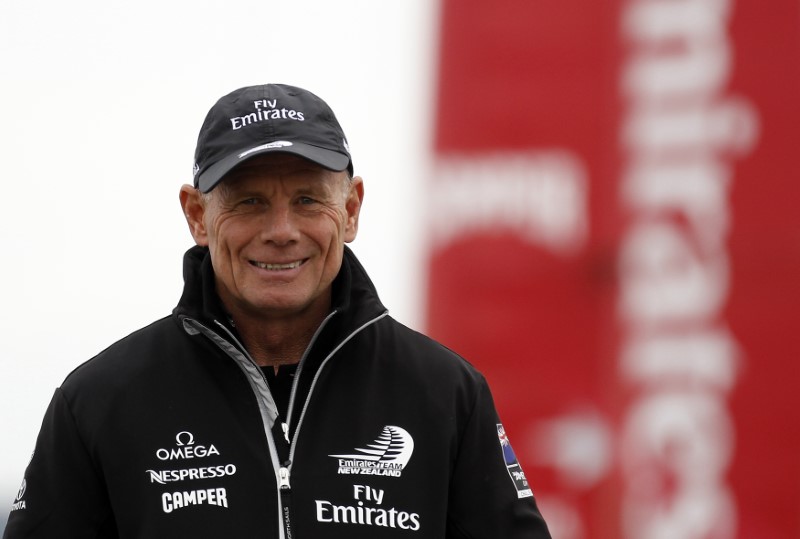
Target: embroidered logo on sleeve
512 465
19 503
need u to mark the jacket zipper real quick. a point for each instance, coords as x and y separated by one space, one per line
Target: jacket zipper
286 502
286 471
282 464
259 386
281 458
285 460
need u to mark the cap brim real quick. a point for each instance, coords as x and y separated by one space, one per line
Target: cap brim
325 158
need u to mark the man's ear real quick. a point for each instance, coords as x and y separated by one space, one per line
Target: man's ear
353 207
194 210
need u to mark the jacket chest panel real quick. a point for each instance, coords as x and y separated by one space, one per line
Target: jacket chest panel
193 462
375 480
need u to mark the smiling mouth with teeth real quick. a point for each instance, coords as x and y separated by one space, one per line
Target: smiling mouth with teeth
277 267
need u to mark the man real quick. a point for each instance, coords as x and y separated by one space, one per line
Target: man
279 400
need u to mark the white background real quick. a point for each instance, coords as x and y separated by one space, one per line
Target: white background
100 104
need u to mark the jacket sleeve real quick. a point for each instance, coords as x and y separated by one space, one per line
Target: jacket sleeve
489 494
63 494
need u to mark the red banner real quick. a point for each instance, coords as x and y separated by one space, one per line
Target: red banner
615 243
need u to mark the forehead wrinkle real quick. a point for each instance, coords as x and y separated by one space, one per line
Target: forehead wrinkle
282 167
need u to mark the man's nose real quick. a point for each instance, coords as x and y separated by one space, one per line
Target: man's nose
279 225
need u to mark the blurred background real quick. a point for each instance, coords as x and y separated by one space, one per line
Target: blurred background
596 203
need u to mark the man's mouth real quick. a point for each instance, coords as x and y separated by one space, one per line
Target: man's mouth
277 267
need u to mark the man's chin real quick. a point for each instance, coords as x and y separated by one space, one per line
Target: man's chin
282 306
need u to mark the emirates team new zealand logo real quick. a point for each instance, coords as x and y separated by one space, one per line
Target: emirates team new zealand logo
388 455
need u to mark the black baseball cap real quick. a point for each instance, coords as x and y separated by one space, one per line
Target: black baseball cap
267 118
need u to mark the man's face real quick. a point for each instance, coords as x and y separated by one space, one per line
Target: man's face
276 228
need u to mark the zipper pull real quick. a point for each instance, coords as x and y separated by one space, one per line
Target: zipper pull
284 475
280 433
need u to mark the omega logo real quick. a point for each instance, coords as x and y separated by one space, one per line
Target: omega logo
185 448
189 438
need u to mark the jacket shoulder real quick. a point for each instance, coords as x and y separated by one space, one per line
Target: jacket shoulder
126 359
420 352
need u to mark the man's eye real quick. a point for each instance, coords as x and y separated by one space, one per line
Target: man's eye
250 201
306 200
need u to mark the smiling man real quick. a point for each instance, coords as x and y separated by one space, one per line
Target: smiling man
276 229
279 400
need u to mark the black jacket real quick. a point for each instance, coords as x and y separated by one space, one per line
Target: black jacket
172 432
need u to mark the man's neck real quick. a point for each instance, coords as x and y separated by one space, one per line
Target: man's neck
275 341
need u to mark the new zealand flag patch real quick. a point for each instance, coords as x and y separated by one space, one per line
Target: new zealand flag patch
512 465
